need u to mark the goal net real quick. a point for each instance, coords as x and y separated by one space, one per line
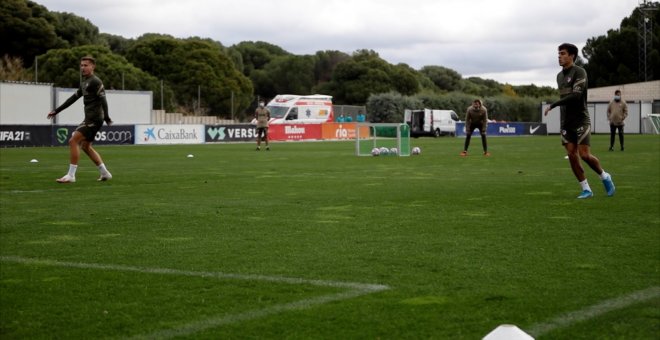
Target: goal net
652 124
369 136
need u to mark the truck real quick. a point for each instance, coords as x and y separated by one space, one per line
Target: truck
428 122
297 109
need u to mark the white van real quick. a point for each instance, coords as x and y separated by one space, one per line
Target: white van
431 122
295 109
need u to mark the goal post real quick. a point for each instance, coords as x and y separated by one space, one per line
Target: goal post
378 135
652 124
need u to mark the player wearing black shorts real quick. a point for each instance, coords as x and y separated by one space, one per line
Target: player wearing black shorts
96 112
575 122
476 117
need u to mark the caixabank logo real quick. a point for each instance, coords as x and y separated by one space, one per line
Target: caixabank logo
169 134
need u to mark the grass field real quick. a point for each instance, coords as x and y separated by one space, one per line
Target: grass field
308 241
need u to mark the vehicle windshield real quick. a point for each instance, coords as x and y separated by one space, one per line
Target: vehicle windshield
277 111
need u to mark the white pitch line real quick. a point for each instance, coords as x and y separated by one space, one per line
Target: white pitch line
594 311
354 290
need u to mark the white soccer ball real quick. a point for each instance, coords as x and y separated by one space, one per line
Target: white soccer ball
384 151
375 151
416 151
394 151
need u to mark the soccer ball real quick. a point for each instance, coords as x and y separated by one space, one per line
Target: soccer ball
375 151
394 151
416 151
384 151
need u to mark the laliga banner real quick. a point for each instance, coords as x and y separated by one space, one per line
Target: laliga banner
508 129
169 134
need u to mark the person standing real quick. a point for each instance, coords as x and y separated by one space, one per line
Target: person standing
617 112
575 123
262 115
476 117
96 112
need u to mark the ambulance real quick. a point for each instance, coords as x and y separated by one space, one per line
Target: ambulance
295 109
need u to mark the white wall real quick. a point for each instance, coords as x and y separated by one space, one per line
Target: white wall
126 107
28 104
598 114
25 103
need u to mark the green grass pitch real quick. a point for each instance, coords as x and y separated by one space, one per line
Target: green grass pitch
308 241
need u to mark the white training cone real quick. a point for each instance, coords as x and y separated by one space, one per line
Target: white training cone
190 156
34 161
507 332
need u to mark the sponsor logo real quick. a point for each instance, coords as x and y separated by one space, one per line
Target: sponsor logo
294 130
341 133
149 134
113 136
216 133
533 130
228 133
6 136
62 134
507 129
181 134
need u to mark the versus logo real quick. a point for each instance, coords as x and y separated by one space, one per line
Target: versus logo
216 132
62 134
229 133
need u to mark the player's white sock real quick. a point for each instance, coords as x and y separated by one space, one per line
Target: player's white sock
72 170
102 169
585 185
604 175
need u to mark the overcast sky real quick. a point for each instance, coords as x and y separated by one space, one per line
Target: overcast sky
511 41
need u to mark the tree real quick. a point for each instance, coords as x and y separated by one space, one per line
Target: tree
290 74
192 65
256 55
613 58
27 30
364 74
12 69
116 43
389 107
444 78
326 62
61 67
75 30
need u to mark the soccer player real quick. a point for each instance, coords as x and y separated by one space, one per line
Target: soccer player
476 117
575 122
262 115
96 112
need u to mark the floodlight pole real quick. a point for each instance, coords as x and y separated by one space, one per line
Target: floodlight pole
645 39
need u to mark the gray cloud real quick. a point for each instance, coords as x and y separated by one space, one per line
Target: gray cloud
510 41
